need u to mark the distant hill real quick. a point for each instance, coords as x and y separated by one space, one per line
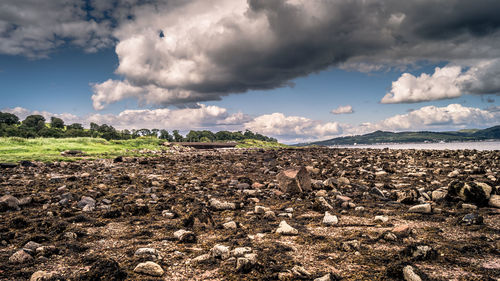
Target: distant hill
407 137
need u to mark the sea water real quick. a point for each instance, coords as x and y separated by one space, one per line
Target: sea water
478 145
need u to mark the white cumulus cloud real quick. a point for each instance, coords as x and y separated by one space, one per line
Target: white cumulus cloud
343 109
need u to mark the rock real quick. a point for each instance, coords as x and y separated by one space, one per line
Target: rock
185 236
454 174
42 276
470 192
167 214
352 245
220 206
270 215
20 257
409 274
494 201
220 251
326 277
300 272
260 209
201 258
294 180
8 202
471 219
389 236
438 195
240 251
149 268
421 209
285 229
86 201
343 198
469 206
382 219
321 205
104 269
330 219
147 253
46 251
229 225
401 230
72 153
419 252
377 192
31 247
246 263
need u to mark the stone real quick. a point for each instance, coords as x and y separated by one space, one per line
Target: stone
201 258
270 215
149 268
421 209
8 202
478 193
167 214
352 245
330 219
454 174
220 206
438 195
86 200
401 230
146 253
469 206
409 274
42 276
471 219
20 257
326 277
285 229
240 251
260 209
320 204
31 246
245 263
185 236
382 219
300 272
220 251
230 225
294 180
494 201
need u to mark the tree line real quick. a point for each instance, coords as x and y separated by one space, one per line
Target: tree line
35 126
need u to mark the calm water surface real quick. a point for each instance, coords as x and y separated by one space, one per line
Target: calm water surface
480 145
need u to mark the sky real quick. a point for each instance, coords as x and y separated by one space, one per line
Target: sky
297 70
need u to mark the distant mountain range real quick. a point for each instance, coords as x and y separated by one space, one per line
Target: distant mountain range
407 137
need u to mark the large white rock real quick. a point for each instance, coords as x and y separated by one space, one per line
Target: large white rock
330 219
494 201
285 229
410 275
422 209
149 268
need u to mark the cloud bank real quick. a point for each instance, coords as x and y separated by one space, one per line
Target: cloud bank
447 82
288 129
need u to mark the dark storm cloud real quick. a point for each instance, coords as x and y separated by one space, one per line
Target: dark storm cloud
213 48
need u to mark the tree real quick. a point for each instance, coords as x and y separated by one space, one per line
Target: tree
34 122
8 118
164 135
74 126
177 137
144 132
154 132
56 123
50 133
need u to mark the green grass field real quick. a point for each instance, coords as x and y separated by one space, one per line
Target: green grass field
49 149
13 150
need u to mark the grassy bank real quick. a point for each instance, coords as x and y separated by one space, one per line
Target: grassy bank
14 149
49 149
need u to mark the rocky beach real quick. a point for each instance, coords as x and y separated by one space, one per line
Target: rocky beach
254 214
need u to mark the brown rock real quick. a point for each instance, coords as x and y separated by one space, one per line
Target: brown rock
294 180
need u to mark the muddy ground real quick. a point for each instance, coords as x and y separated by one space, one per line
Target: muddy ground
141 202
